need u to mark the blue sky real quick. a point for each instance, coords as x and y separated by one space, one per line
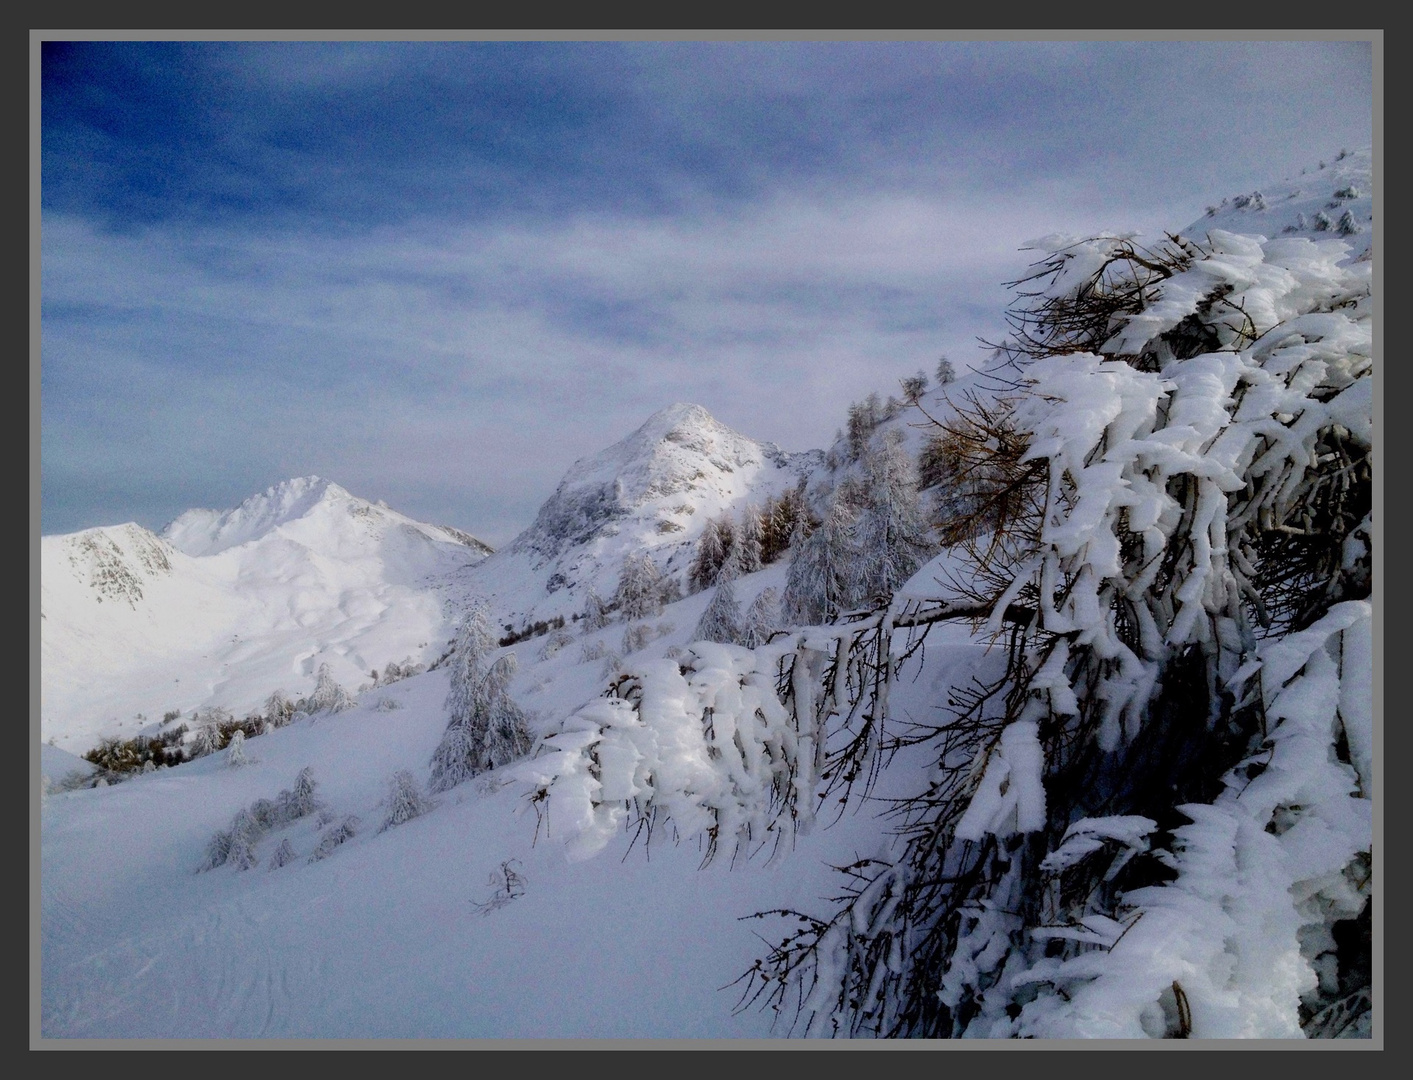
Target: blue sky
439 272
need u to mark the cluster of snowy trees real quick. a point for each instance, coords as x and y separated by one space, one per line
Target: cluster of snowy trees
1149 814
236 846
762 536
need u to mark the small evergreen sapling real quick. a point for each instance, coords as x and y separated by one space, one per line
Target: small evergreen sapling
235 750
333 837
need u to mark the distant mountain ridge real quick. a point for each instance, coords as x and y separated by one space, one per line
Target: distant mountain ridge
209 532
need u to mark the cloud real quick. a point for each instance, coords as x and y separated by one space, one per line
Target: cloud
447 272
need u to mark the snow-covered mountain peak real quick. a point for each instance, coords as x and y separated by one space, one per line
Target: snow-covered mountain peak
652 491
229 605
208 532
308 509
666 445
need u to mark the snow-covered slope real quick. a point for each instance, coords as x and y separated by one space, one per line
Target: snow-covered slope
1332 201
651 492
224 608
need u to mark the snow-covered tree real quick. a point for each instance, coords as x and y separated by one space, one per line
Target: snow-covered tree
486 728
299 801
639 592
761 619
235 750
244 835
821 581
713 546
334 836
205 739
284 855
278 709
748 539
893 534
1117 838
405 800
721 621
328 695
946 373
595 613
780 519
914 387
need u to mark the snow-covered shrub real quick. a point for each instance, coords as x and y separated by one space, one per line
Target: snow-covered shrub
701 743
636 636
509 884
612 665
1123 835
556 642
387 704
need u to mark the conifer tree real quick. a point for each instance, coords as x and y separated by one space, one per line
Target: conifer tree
748 540
405 800
595 612
328 695
820 583
487 728
640 587
713 546
893 535
235 750
761 619
721 621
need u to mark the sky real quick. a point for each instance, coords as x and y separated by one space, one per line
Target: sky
438 273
